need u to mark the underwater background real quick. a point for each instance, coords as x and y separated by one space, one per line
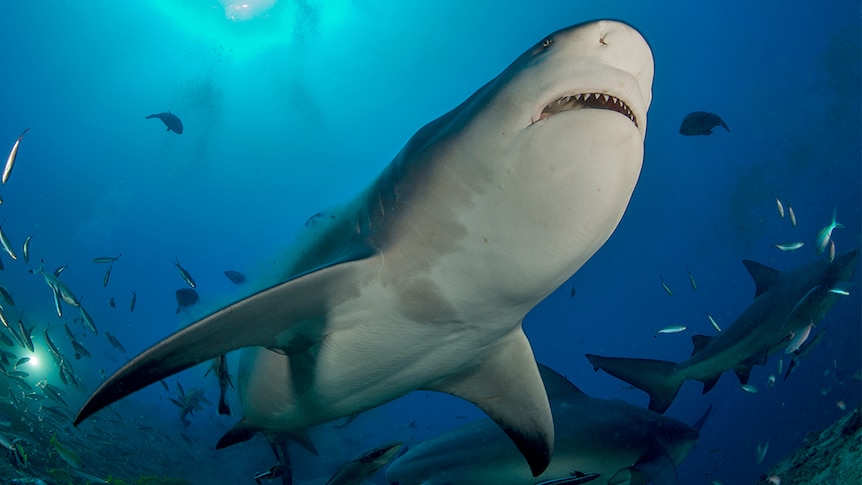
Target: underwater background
290 107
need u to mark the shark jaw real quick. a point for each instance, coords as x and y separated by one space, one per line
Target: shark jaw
423 280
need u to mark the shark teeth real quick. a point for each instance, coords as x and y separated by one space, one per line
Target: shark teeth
588 100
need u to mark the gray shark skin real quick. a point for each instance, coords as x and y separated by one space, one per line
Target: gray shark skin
785 303
619 442
171 121
423 280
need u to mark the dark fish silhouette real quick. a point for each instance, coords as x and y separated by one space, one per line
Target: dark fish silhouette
235 276
700 123
186 297
170 120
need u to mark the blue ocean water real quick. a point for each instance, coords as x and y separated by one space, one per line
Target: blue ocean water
292 107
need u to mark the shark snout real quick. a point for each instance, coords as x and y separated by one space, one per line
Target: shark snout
625 48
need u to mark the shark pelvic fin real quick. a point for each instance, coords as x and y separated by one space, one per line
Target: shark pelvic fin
709 383
764 276
504 382
236 434
743 372
241 432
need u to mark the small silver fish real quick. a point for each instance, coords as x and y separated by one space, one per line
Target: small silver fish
825 235
663 285
792 216
187 277
770 381
673 329
691 279
55 352
27 249
780 207
106 259
831 251
60 269
713 322
132 303
107 276
761 451
26 336
80 349
114 342
6 296
10 162
749 388
793 246
7 246
88 320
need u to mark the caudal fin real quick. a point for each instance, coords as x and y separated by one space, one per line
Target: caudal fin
655 377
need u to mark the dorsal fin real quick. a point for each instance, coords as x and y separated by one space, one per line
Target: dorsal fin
699 341
764 276
557 386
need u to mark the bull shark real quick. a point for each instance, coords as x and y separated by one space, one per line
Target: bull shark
618 443
785 304
422 281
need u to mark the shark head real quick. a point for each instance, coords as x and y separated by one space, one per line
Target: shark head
555 144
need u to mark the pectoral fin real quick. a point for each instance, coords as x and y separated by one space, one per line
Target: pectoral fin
504 382
290 317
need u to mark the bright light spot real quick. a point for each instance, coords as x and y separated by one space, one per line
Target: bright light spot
240 11
34 361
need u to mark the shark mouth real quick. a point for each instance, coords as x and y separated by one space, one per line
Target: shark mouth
588 100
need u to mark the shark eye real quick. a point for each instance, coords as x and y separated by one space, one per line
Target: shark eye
547 43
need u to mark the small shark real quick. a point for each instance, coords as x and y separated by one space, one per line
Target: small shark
423 280
598 441
171 121
785 303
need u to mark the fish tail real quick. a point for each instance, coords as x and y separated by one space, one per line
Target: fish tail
658 378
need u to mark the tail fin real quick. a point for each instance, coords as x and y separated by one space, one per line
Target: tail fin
655 377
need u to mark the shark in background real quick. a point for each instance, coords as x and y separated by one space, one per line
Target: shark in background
786 306
424 279
598 441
